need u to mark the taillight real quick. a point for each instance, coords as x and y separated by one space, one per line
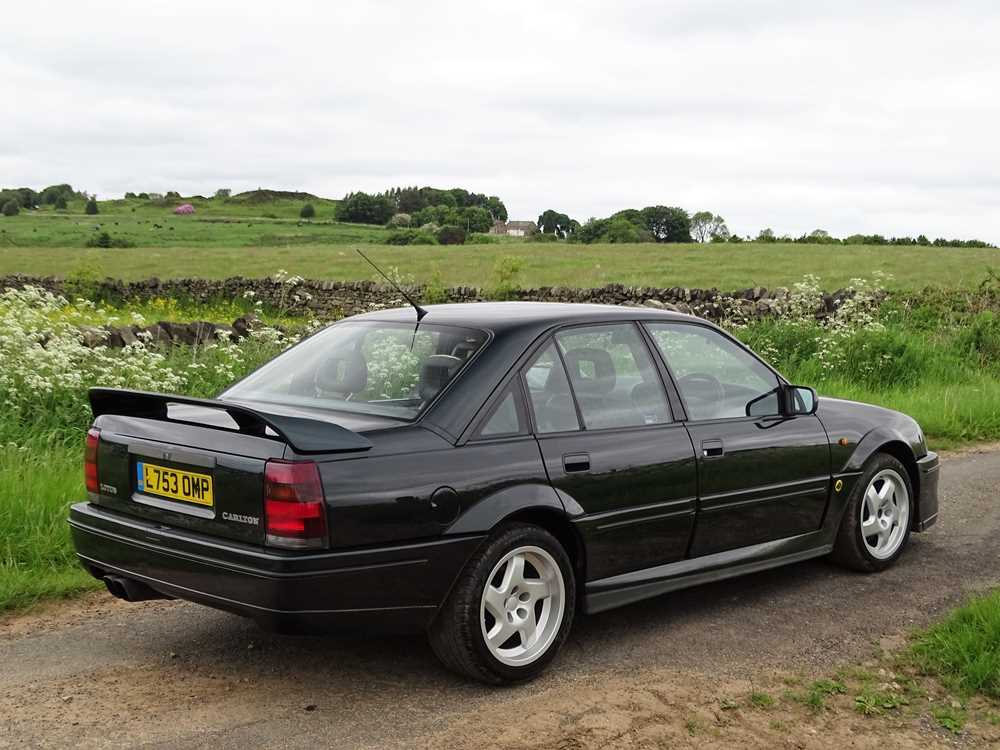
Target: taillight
294 507
90 461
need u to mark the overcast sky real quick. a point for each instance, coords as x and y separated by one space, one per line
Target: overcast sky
850 116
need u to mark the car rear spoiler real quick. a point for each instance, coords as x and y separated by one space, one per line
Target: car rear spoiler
302 434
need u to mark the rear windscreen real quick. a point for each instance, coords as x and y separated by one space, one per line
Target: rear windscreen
387 369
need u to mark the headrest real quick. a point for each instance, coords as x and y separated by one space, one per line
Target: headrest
597 379
344 373
436 371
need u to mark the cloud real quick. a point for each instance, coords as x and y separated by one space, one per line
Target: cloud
850 116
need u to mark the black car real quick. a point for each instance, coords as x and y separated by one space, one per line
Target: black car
484 472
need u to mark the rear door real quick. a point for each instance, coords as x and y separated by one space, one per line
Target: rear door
762 476
611 446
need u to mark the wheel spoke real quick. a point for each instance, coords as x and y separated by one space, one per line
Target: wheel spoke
538 588
513 575
529 629
883 536
500 633
888 492
872 501
870 527
493 599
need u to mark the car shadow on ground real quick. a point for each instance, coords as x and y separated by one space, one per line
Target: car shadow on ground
786 614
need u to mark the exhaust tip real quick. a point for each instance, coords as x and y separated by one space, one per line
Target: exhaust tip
131 591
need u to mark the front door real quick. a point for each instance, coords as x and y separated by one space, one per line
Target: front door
612 448
761 476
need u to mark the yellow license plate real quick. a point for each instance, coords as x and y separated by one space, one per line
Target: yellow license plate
174 483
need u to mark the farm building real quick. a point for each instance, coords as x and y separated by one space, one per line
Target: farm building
514 228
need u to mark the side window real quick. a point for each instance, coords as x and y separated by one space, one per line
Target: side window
548 389
507 417
717 379
613 376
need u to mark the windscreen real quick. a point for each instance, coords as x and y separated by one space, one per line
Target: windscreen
387 369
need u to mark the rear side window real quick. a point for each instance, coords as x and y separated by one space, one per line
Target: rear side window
548 389
613 377
507 417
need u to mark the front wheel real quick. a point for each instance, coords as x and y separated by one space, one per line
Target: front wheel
876 523
511 609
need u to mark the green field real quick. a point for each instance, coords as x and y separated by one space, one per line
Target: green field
258 235
724 267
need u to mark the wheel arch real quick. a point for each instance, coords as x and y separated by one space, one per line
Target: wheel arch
878 442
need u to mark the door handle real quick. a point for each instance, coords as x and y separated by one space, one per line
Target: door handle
576 462
712 449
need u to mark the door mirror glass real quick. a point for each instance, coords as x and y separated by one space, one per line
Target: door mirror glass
800 399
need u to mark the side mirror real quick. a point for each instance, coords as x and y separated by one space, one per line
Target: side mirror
799 400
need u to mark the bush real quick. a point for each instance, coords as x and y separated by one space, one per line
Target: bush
481 239
400 220
60 203
505 274
91 208
363 208
106 240
307 211
451 235
410 237
10 208
544 238
622 230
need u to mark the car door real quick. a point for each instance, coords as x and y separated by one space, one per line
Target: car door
761 476
611 446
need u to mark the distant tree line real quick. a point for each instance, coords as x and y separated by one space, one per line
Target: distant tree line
474 212
822 237
12 200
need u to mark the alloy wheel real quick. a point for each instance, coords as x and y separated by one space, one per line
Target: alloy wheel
522 606
885 514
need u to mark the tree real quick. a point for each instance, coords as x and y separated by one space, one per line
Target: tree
592 231
559 224
307 211
363 208
766 235
60 203
223 193
91 208
667 223
622 230
496 208
477 219
49 195
11 208
709 227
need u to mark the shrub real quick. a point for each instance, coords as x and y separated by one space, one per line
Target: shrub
481 239
622 230
400 220
505 272
307 211
91 208
410 237
544 238
10 208
60 203
363 208
451 235
106 240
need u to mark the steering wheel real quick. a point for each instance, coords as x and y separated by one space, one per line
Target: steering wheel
697 381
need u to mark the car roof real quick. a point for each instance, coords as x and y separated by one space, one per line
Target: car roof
507 317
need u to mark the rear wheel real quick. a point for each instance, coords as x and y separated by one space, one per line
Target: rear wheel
511 610
876 523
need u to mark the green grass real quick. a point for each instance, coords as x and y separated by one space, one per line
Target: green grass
191 246
964 649
37 484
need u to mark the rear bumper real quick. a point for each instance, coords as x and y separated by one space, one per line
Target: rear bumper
389 589
928 469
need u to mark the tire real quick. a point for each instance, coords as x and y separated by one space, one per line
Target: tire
870 553
458 635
